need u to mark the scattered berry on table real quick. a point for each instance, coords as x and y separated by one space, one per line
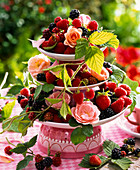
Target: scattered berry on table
32 115
20 97
125 147
7 150
77 23
78 97
38 158
118 105
39 165
48 116
25 92
74 13
126 87
116 153
129 141
119 91
50 78
23 102
47 162
89 93
137 152
85 31
127 100
41 77
57 159
94 160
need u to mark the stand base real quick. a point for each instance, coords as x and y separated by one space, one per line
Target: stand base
59 140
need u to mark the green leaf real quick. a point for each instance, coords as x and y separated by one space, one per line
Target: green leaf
37 91
19 149
53 101
77 136
113 42
123 163
47 87
99 38
55 68
108 146
13 127
26 77
31 142
7 109
73 122
22 164
50 48
81 48
19 81
15 89
23 126
63 110
87 130
94 59
132 84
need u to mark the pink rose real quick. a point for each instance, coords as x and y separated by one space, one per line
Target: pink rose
54 96
85 19
86 113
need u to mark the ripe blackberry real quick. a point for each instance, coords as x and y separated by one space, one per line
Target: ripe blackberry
137 152
116 153
46 34
32 90
41 77
125 148
85 31
102 115
30 101
106 64
129 141
74 13
47 162
51 26
39 165
109 112
20 97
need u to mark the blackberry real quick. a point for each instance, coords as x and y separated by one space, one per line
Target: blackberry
32 90
47 34
125 147
74 14
137 152
108 112
47 162
116 153
129 141
39 165
20 97
85 31
102 115
106 64
30 101
51 26
41 77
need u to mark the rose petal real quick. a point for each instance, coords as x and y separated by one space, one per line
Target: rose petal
85 19
5 158
37 43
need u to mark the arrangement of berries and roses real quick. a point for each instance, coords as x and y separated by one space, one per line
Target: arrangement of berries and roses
70 90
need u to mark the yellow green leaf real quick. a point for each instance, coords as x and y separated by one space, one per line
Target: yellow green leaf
113 42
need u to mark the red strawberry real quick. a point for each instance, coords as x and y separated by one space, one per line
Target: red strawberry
127 88
59 48
94 160
84 67
62 24
103 86
55 30
127 100
31 115
119 91
77 23
50 78
57 159
60 83
103 101
138 129
45 44
7 150
57 19
85 74
118 105
70 72
78 97
23 102
93 25
61 35
47 34
89 93
69 50
111 86
38 158
76 82
53 39
56 118
25 92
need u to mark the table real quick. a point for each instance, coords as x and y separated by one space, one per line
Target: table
111 131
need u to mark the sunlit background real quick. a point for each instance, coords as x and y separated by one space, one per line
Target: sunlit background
24 19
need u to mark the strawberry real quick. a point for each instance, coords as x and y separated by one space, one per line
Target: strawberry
7 150
93 25
85 74
76 82
94 160
38 158
126 87
103 101
50 78
111 86
23 102
59 48
57 159
31 115
78 97
60 83
57 19
70 72
62 24
77 23
89 93
127 100
138 129
84 67
45 44
28 109
103 86
61 36
118 105
25 92
69 50
119 91
53 39
55 30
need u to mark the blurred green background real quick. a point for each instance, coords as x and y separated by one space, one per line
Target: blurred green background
24 19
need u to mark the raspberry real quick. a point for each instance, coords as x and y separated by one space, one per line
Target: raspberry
20 97
63 24
93 25
103 101
50 78
28 109
32 115
32 90
70 72
76 82
137 152
60 83
47 162
57 159
56 30
77 23
59 48
129 141
57 19
48 116
138 129
69 50
94 160
62 37
123 153
78 97
23 102
41 77
85 31
7 150
38 158
111 86
116 153
118 105
127 88
92 80
127 100
45 44
74 13
25 92
89 93
56 118
39 165
46 33
119 91
51 26
125 147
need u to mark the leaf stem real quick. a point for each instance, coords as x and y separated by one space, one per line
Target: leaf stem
10 142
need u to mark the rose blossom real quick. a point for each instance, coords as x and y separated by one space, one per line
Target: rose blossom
85 19
54 96
86 113
72 35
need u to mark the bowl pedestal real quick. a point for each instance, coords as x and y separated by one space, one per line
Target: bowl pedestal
59 140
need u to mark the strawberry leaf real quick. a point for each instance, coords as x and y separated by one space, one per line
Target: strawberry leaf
73 122
55 68
87 130
7 109
22 164
47 87
37 91
53 101
113 42
15 89
132 84
65 109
